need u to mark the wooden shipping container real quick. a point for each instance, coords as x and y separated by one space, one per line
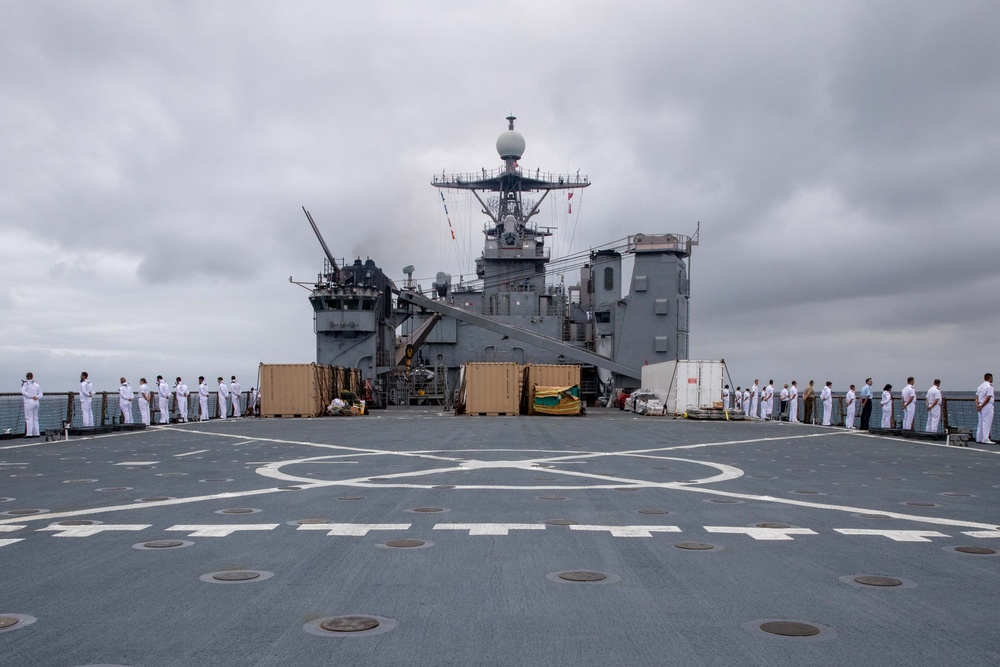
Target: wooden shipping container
546 375
295 390
492 388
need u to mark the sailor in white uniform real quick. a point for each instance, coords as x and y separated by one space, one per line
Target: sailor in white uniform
86 398
144 397
767 400
793 402
754 397
125 396
783 407
850 407
887 406
933 400
223 399
725 397
738 395
746 402
163 392
182 399
203 398
32 395
909 404
984 405
827 397
234 396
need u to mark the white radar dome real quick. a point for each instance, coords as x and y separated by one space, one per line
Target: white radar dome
510 144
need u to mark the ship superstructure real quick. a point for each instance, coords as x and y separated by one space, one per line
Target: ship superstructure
512 312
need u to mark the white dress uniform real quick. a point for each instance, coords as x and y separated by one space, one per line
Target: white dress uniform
909 406
125 396
827 397
144 397
86 406
933 399
203 400
182 401
793 403
985 394
163 391
746 402
886 409
223 401
767 404
754 397
32 395
234 396
725 398
850 407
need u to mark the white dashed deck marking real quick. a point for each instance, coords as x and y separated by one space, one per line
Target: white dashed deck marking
894 535
761 533
4 543
10 529
982 533
628 531
489 528
87 531
199 451
352 529
208 530
137 463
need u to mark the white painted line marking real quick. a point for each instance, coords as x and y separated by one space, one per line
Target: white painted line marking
87 531
4 543
137 463
489 528
894 535
761 533
206 530
198 451
10 529
629 531
982 533
352 529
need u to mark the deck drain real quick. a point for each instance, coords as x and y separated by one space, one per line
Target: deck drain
919 504
238 510
242 575
874 580
77 522
695 546
807 492
236 576
405 544
427 509
772 525
790 629
162 544
561 522
654 512
78 481
582 576
114 488
552 497
303 522
14 622
353 625
349 497
978 551
24 512
170 474
724 501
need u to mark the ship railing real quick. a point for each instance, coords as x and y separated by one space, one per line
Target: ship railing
659 243
59 408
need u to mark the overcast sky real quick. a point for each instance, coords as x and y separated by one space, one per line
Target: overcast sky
843 159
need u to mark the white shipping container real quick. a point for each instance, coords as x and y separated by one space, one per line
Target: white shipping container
686 384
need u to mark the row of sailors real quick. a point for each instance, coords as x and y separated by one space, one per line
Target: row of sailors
31 392
751 399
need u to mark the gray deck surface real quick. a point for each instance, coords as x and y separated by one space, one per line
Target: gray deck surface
485 590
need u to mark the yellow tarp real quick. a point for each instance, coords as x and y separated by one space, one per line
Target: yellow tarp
557 400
